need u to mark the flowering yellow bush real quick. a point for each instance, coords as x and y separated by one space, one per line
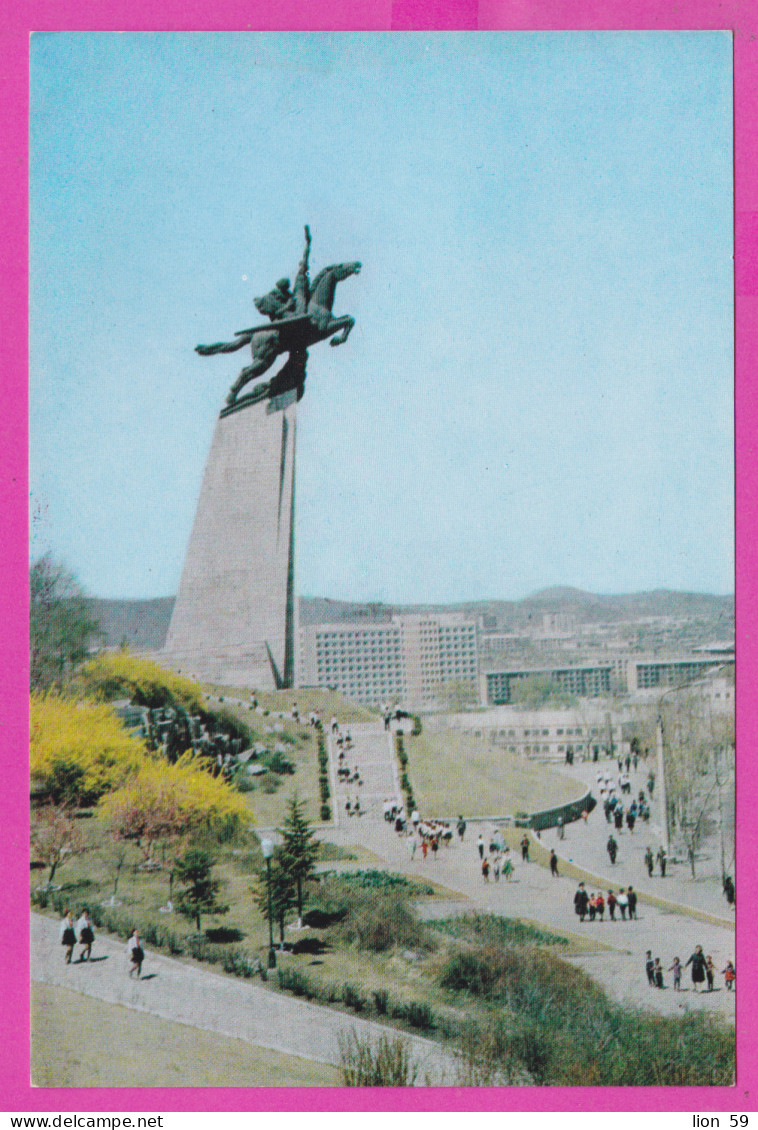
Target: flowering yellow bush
120 674
169 801
78 751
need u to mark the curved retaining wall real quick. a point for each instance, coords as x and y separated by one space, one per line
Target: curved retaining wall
548 817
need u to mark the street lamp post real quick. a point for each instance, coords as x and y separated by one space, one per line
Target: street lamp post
267 848
662 795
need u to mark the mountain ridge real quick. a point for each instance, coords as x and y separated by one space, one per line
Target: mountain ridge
143 624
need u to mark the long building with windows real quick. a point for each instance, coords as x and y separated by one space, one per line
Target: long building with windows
407 659
632 674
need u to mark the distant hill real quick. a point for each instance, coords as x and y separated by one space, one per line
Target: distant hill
143 624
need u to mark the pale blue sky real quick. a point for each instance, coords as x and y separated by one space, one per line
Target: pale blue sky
538 389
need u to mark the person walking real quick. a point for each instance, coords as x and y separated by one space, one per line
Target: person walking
508 866
730 976
581 902
611 906
650 968
612 848
622 902
710 972
68 934
412 844
729 890
86 935
631 898
676 968
435 846
461 828
618 817
658 974
554 864
561 828
662 859
424 848
592 907
649 861
496 868
600 905
697 961
486 869
630 819
480 845
525 848
135 953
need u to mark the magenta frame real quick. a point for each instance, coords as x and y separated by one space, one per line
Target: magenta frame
16 23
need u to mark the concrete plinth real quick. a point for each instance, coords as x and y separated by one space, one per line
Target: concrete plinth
234 618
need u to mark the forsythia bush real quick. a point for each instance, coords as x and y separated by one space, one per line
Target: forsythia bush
122 675
169 801
80 750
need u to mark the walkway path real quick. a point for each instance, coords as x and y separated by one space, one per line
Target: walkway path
586 846
188 994
533 894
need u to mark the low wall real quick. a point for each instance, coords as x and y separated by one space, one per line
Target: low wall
548 817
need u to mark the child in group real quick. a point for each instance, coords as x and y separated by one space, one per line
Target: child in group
677 970
730 975
710 972
486 869
650 968
658 973
508 866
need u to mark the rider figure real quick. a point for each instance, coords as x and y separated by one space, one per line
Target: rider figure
278 303
281 302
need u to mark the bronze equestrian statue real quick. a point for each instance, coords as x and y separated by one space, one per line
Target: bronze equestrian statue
299 318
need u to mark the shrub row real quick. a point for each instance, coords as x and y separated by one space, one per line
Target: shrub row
323 777
416 1014
405 783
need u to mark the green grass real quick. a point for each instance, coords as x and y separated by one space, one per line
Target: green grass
494 930
453 772
323 701
78 1041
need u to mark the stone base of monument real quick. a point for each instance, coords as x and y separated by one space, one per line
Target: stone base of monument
234 618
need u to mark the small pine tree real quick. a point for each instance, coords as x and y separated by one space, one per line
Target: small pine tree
300 848
282 891
200 894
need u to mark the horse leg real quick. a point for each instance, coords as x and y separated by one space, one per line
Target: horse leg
345 323
265 350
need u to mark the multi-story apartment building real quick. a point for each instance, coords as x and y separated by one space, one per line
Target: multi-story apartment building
406 659
630 673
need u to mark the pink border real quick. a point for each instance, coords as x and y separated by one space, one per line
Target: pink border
16 23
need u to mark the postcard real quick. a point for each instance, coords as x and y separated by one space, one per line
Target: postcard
382 432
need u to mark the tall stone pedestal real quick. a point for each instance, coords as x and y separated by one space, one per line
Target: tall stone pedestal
234 618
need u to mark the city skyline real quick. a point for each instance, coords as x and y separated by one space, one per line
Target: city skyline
538 390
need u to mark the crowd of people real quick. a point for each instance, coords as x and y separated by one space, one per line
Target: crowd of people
82 933
703 971
347 775
592 905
